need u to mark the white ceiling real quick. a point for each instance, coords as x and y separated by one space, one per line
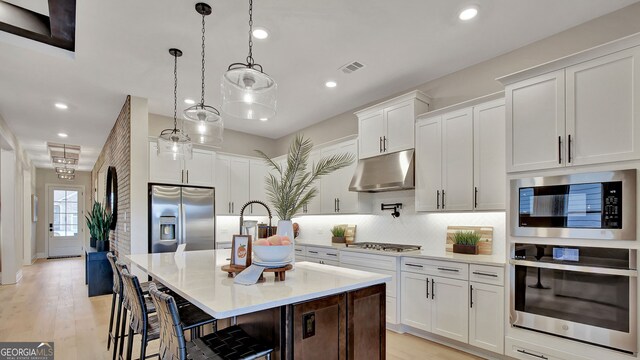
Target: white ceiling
121 48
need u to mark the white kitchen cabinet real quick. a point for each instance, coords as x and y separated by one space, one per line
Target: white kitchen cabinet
603 105
536 122
389 126
489 169
334 188
415 308
444 162
258 170
449 310
200 170
486 316
232 184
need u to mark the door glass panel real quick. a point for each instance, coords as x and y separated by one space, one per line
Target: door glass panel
65 213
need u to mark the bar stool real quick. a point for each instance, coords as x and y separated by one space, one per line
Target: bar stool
231 343
114 334
144 321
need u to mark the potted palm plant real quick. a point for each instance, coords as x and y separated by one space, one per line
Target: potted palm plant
466 242
98 221
291 188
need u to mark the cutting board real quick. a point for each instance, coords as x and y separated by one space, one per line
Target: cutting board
485 246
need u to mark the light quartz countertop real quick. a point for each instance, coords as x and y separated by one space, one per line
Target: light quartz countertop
196 276
493 260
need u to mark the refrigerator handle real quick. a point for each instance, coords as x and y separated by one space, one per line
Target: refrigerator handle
183 228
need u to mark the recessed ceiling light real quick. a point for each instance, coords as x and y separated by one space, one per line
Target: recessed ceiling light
189 101
263 119
330 84
468 13
260 33
61 106
62 135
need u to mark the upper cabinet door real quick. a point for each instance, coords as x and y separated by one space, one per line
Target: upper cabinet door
399 127
457 159
536 123
603 105
200 170
239 184
329 186
371 133
163 170
223 169
257 187
348 201
489 156
429 164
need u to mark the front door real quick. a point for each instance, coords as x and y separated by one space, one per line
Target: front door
64 211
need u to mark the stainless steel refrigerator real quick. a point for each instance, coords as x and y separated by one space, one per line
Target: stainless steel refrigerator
181 215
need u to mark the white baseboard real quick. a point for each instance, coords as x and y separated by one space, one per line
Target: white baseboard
397 328
41 255
18 276
452 343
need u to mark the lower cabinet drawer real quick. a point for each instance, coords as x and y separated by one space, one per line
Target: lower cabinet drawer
449 269
492 275
392 310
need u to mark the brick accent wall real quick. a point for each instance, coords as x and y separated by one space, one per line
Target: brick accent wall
117 152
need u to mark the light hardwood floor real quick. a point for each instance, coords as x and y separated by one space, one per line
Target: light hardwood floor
50 304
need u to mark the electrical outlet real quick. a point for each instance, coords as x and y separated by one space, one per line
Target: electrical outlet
308 325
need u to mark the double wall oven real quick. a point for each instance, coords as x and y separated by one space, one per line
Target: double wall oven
561 287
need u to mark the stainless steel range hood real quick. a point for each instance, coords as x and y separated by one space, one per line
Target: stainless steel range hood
389 172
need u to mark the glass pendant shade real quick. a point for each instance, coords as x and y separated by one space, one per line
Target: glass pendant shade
206 133
175 145
248 94
202 113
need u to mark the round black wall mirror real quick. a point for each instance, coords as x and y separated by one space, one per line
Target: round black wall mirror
112 195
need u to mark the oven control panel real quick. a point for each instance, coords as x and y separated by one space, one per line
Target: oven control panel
612 205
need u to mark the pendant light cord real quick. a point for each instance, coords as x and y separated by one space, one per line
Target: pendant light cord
202 93
250 60
175 92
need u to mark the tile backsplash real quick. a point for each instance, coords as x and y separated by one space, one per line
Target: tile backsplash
425 229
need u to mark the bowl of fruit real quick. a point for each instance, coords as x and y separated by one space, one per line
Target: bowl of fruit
275 248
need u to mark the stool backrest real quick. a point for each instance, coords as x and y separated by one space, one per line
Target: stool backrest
172 342
117 279
121 267
135 298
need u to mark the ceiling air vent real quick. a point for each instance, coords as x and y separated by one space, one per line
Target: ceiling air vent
351 67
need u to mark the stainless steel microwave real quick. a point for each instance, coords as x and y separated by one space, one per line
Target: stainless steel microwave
600 205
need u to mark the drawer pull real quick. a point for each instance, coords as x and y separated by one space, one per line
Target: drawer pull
329 254
414 265
313 252
531 354
484 274
447 269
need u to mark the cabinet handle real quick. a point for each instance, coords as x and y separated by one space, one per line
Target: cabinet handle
233 206
414 265
380 146
335 205
329 254
559 149
187 176
475 198
569 148
427 288
531 354
484 274
229 206
437 199
433 291
338 204
443 203
384 144
181 176
471 296
447 269
313 252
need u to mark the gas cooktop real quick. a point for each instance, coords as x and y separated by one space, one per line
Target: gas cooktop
385 247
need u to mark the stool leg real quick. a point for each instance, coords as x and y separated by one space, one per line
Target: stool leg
113 305
122 329
143 345
117 329
130 343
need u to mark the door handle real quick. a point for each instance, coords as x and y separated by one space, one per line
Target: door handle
569 148
559 149
471 296
475 198
437 199
384 144
427 288
433 291
380 145
443 203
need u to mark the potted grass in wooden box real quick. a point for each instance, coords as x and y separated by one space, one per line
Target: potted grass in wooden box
466 242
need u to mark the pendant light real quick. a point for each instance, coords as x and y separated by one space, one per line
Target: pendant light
174 143
207 119
247 92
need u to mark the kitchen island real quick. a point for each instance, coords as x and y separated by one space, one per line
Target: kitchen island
318 312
